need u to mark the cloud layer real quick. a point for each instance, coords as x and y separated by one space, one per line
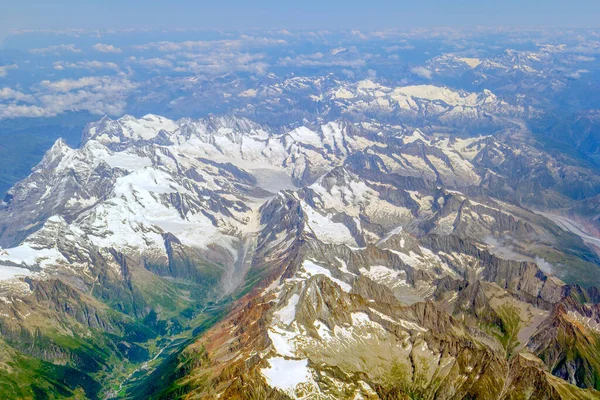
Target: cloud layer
106 48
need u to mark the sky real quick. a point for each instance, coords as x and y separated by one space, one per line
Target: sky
298 14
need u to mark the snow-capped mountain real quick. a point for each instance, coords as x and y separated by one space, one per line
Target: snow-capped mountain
357 257
544 78
428 102
286 101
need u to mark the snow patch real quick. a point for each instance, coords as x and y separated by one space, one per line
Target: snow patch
282 341
28 256
12 272
286 374
313 269
127 161
288 313
325 229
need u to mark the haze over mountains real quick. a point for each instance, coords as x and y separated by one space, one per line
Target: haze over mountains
54 82
398 214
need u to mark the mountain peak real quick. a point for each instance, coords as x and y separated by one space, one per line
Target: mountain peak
56 153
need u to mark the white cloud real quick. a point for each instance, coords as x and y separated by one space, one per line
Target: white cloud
92 65
358 34
152 62
313 60
577 74
166 46
422 72
220 61
106 48
543 265
56 49
210 57
16 111
348 73
66 85
5 68
202 45
221 67
584 58
96 102
11 94
96 94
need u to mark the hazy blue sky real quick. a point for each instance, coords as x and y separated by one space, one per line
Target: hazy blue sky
298 14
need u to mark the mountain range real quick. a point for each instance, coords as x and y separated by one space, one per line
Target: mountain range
363 242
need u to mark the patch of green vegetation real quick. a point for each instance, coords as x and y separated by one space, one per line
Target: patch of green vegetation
174 287
182 310
507 330
143 321
164 376
88 354
568 391
511 325
571 268
397 381
155 316
24 377
579 352
186 364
